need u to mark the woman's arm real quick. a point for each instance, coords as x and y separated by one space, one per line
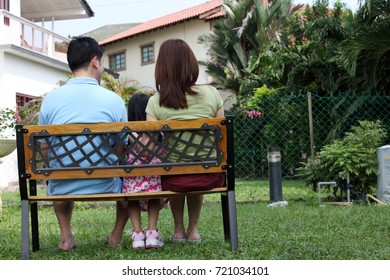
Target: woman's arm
149 118
220 113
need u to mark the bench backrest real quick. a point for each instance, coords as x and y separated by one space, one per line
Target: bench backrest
100 150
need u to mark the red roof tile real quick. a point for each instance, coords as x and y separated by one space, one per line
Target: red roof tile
206 11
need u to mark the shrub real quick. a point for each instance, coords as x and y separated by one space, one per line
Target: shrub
8 119
29 113
354 155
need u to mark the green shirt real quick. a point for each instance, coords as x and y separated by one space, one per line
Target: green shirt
205 104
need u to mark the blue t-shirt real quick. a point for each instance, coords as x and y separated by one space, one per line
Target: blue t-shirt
82 100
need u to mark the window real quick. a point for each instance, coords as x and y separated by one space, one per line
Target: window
22 99
117 61
147 54
4 4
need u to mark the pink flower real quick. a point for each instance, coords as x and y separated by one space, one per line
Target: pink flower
253 114
17 117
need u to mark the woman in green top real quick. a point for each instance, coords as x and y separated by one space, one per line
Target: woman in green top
179 98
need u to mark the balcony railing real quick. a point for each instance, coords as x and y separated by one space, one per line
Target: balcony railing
21 32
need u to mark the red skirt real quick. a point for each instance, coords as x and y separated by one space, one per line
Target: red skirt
192 182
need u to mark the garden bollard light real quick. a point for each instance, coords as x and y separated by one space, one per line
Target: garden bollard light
275 174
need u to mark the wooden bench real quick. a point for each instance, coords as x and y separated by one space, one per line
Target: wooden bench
213 135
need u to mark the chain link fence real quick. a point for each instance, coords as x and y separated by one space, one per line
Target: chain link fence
300 124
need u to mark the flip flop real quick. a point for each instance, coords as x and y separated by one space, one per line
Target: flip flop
178 240
198 239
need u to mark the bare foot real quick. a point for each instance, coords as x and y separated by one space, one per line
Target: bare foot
179 234
113 242
67 244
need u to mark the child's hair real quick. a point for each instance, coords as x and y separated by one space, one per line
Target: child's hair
136 107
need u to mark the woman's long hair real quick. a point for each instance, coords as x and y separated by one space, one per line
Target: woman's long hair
176 72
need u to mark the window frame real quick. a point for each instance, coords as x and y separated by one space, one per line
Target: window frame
5 5
148 46
116 54
22 99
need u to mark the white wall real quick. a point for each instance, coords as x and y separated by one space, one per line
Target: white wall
2 85
188 31
21 75
11 34
15 7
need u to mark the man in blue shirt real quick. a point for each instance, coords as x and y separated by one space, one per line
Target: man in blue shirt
82 100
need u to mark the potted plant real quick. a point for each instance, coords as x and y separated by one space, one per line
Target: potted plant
8 119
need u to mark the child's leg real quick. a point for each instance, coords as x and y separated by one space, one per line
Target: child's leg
138 235
153 237
134 214
153 211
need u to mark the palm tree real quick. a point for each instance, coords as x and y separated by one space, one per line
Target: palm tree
310 43
366 54
249 26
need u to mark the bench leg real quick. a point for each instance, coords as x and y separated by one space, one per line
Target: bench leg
34 226
25 230
225 217
34 217
229 216
231 198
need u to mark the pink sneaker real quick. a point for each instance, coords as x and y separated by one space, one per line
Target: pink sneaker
154 239
138 238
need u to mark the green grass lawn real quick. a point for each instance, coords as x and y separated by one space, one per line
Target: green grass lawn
303 230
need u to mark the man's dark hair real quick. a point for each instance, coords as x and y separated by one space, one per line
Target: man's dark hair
81 51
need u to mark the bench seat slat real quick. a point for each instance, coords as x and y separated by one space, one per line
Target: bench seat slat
144 170
121 196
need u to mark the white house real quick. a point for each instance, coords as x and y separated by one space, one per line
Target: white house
32 57
132 52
